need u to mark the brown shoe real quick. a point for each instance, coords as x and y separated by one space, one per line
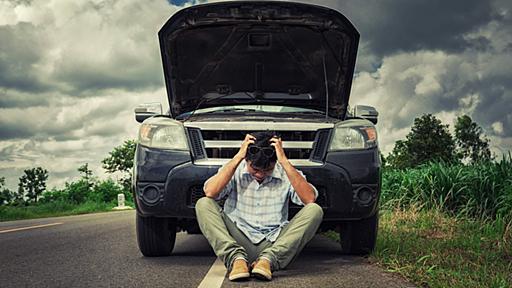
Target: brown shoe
261 269
239 270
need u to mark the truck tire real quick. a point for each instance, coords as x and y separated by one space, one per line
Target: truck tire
359 237
156 236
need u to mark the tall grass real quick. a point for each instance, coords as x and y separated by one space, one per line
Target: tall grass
420 238
482 190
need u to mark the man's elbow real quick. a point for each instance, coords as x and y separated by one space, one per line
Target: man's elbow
308 201
208 193
311 198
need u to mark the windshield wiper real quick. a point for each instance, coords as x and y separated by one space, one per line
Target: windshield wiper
231 110
305 112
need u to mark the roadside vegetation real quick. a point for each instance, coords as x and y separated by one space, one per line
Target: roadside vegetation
87 194
446 225
52 209
433 249
446 208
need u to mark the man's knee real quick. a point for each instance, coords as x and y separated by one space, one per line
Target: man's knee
314 211
206 203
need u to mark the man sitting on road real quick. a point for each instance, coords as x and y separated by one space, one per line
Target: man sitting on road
254 223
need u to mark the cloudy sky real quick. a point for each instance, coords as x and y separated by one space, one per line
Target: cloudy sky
71 73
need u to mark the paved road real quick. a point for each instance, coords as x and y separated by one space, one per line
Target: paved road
100 250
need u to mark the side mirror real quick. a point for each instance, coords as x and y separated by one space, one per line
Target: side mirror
366 112
146 110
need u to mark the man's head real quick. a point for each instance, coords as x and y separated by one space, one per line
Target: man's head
261 156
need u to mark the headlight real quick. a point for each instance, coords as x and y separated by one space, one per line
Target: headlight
355 135
165 133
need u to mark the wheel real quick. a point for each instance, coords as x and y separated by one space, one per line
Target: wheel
156 236
359 237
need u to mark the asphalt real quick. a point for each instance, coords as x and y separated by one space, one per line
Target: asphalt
100 250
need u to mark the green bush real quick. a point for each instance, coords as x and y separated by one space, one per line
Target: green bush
81 191
78 191
54 195
105 191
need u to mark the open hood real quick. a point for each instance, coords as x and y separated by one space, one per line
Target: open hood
258 52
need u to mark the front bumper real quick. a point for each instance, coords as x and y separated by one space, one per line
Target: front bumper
167 184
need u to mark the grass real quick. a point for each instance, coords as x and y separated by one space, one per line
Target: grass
447 225
435 250
432 249
52 209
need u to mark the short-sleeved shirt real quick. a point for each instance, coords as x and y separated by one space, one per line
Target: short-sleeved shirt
260 211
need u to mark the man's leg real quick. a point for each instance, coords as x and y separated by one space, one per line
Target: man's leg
252 250
211 223
294 236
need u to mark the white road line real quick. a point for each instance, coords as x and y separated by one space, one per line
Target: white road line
215 276
30 227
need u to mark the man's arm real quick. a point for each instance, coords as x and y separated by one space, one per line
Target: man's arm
217 182
302 187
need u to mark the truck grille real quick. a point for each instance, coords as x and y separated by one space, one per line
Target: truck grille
320 145
195 193
224 144
196 143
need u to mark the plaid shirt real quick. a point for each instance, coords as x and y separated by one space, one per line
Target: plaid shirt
260 211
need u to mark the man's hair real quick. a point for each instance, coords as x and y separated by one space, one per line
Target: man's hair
260 160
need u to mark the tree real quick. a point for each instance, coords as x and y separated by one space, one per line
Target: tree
472 144
429 140
19 196
86 174
121 160
33 182
399 157
6 195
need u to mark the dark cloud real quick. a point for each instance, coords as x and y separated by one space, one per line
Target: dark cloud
64 122
86 80
391 26
10 131
495 106
19 124
21 47
10 98
480 44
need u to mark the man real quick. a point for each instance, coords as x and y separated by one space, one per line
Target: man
259 182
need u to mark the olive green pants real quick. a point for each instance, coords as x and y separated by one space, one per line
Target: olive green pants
229 243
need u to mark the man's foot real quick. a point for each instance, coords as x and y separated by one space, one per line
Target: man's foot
239 270
261 269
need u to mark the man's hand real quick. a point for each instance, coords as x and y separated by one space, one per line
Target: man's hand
278 145
218 182
249 139
302 187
